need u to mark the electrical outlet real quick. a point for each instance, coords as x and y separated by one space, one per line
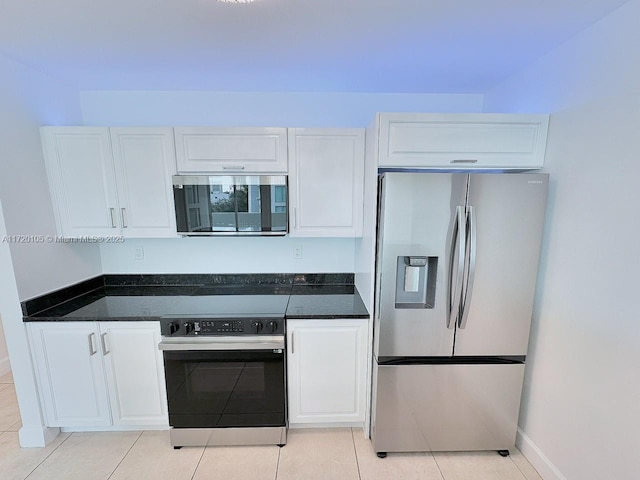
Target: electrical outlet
138 253
297 252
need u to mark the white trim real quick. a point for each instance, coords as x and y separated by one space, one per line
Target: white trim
539 461
37 436
115 428
5 366
293 426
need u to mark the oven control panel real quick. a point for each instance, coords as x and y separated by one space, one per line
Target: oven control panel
212 327
182 327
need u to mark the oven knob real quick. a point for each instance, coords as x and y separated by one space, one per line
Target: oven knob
188 327
257 326
272 327
173 327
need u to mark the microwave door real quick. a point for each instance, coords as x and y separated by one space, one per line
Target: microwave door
231 205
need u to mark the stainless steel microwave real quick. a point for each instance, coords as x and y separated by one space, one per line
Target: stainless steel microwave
231 205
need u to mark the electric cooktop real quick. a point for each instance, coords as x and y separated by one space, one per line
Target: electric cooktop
204 301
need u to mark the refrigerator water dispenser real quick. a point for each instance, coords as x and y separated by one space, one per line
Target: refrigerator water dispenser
416 281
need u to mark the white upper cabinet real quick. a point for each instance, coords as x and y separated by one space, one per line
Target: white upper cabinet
326 177
144 162
231 150
469 141
111 181
81 179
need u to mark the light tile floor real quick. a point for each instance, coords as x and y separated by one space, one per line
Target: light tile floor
324 454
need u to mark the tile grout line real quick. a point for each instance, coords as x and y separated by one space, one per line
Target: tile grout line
355 452
524 475
437 465
125 455
51 453
278 463
199 462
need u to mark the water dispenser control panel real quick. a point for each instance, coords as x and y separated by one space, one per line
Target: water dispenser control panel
415 281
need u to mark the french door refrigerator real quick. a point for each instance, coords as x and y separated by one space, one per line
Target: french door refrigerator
456 267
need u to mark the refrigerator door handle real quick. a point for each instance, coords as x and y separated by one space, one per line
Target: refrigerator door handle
471 265
455 291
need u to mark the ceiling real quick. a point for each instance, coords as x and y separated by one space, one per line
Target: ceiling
412 46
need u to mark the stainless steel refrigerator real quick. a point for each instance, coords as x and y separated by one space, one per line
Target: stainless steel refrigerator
456 267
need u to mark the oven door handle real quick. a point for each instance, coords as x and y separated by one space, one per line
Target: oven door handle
249 342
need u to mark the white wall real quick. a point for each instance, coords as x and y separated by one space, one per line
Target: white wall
261 109
581 405
220 255
27 100
32 433
5 366
230 255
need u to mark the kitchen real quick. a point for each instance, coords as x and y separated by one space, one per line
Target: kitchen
589 124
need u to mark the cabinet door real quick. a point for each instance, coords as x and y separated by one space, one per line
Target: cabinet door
462 140
229 150
326 371
70 374
135 372
81 179
326 179
144 161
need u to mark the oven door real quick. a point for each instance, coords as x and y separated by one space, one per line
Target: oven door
225 382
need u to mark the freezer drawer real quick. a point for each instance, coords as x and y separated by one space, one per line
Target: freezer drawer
445 407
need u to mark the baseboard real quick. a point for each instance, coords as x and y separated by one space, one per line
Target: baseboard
5 366
327 425
37 436
537 458
115 428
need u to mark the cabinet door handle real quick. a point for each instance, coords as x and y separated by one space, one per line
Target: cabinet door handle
112 216
469 160
233 167
103 340
293 349
92 349
123 214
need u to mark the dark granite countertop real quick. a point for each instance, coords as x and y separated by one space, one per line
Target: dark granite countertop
149 297
325 301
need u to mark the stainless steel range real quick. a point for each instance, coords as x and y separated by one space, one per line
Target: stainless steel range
225 372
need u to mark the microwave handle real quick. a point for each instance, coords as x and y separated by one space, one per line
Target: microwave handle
233 167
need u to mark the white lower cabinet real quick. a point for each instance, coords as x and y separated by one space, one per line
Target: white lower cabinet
99 374
326 365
